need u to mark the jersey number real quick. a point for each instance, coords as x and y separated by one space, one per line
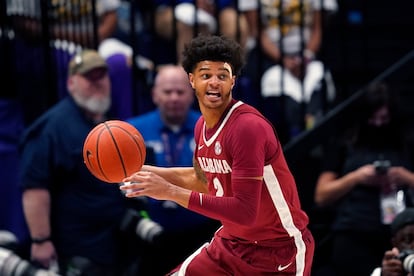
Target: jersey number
218 187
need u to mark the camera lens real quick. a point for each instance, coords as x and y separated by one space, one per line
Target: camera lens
143 226
408 263
12 265
148 230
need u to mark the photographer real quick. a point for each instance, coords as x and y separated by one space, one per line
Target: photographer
366 180
399 260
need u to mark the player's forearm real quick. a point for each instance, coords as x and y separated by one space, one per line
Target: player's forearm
184 177
241 208
180 195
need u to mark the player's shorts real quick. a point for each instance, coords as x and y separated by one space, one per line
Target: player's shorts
234 257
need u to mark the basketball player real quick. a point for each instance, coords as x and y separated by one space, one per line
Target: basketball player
240 177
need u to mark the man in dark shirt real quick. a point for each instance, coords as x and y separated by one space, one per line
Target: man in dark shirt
70 213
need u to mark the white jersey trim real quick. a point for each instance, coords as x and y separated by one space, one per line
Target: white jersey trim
275 191
213 138
183 268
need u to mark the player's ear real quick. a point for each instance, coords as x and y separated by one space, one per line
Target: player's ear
191 79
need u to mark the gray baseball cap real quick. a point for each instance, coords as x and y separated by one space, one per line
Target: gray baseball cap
85 61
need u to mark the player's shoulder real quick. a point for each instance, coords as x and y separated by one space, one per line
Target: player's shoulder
243 111
248 119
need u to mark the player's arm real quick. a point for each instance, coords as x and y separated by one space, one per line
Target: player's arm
191 178
241 207
176 183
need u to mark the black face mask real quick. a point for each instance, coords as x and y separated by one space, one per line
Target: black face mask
378 136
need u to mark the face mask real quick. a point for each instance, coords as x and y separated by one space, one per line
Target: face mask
377 136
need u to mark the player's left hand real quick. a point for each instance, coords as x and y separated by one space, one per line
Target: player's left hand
144 183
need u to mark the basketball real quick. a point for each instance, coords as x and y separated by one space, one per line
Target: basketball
114 150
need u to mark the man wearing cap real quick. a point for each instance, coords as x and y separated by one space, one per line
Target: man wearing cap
402 239
73 218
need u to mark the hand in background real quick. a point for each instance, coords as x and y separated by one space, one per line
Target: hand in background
401 176
391 265
366 175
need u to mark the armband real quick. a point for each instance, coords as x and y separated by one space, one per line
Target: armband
40 240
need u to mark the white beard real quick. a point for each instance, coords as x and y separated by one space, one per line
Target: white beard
93 105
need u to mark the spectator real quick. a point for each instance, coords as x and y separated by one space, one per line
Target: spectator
367 179
31 61
290 38
173 98
72 215
402 239
169 130
239 176
127 99
69 20
72 25
249 8
212 17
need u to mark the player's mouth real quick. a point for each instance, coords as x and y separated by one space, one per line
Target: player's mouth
213 94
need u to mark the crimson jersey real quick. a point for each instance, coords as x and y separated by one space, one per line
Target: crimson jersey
233 155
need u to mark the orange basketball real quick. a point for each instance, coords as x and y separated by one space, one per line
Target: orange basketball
114 150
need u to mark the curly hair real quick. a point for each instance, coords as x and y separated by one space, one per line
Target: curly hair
214 48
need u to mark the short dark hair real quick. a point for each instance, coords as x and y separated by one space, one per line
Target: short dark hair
214 48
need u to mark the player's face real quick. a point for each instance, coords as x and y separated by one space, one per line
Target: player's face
213 82
92 91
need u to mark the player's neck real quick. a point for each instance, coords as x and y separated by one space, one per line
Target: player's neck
211 116
214 116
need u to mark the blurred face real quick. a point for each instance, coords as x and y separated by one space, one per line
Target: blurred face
92 90
213 82
404 238
380 117
173 95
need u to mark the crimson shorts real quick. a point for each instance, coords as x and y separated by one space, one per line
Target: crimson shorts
234 257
